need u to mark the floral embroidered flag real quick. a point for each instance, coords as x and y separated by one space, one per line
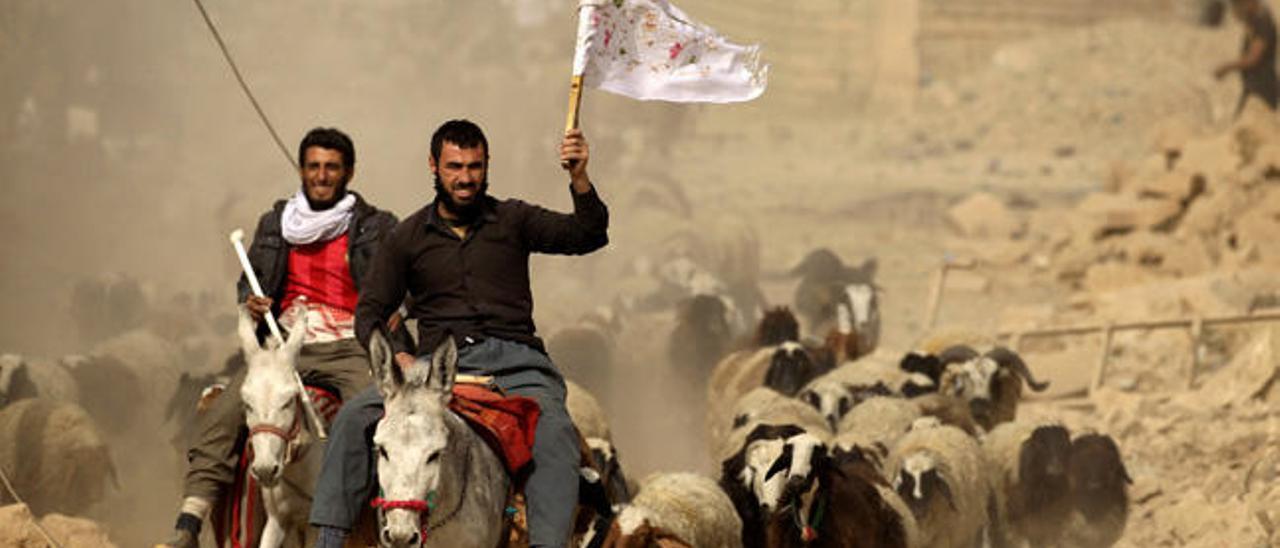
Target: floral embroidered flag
650 50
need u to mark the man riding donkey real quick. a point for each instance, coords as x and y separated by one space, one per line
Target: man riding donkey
312 248
464 259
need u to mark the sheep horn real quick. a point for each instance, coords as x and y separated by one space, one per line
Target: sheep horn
1010 359
957 354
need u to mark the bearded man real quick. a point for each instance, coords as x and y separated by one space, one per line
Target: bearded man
316 245
464 259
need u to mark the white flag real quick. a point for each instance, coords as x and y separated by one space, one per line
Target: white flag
650 50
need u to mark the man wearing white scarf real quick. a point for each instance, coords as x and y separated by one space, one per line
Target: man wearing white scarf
311 249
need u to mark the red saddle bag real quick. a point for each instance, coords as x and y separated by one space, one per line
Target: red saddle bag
507 422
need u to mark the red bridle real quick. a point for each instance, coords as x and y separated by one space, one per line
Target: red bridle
289 436
422 507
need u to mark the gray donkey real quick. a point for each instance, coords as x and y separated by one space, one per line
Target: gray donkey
441 484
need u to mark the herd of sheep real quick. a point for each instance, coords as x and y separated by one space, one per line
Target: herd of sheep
833 442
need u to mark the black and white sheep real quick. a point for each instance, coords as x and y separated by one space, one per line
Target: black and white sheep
940 472
843 501
754 481
790 368
1027 464
992 384
835 398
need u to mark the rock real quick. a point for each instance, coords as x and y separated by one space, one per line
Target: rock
1109 276
1105 214
983 215
965 280
1210 156
1166 254
1253 375
1177 186
18 530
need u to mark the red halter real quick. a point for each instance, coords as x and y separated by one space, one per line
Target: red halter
289 436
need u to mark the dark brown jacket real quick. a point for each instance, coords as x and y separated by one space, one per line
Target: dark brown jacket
476 286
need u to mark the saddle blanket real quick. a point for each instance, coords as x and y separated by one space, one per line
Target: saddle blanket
507 423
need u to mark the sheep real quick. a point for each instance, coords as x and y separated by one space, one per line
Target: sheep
585 412
54 455
877 422
834 398
991 383
1099 498
753 482
31 378
744 369
701 336
949 410
843 502
612 478
823 279
673 509
584 352
940 472
735 375
1027 464
790 368
763 406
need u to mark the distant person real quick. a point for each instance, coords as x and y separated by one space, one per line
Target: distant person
1257 63
317 244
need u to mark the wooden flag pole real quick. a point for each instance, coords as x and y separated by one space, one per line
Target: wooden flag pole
575 103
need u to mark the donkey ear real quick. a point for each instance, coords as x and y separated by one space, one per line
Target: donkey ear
248 334
296 335
381 361
444 366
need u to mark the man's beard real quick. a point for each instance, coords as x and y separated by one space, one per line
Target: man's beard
321 206
464 212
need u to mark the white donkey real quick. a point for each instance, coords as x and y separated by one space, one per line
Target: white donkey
278 433
441 484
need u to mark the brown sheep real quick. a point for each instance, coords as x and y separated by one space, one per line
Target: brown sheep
54 456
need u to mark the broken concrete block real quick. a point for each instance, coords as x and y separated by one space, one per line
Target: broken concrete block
1115 214
984 215
1113 275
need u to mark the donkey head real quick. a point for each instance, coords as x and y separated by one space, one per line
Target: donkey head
270 394
412 437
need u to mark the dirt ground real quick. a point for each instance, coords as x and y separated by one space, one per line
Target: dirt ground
139 158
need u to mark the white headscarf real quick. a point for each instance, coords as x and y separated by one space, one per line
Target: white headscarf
301 225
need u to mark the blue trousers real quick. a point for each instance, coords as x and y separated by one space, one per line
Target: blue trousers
348 477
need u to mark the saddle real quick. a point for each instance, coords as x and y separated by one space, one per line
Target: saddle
506 423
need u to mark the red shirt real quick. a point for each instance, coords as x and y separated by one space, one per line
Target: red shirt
320 272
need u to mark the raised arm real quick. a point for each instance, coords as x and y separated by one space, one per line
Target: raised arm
584 231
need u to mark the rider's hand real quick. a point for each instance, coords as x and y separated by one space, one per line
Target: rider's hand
574 154
258 306
404 360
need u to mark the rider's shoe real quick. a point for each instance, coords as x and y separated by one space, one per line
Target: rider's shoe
181 538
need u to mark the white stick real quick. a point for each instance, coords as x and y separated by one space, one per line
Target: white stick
237 240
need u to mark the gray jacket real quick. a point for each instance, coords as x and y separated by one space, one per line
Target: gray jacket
269 253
